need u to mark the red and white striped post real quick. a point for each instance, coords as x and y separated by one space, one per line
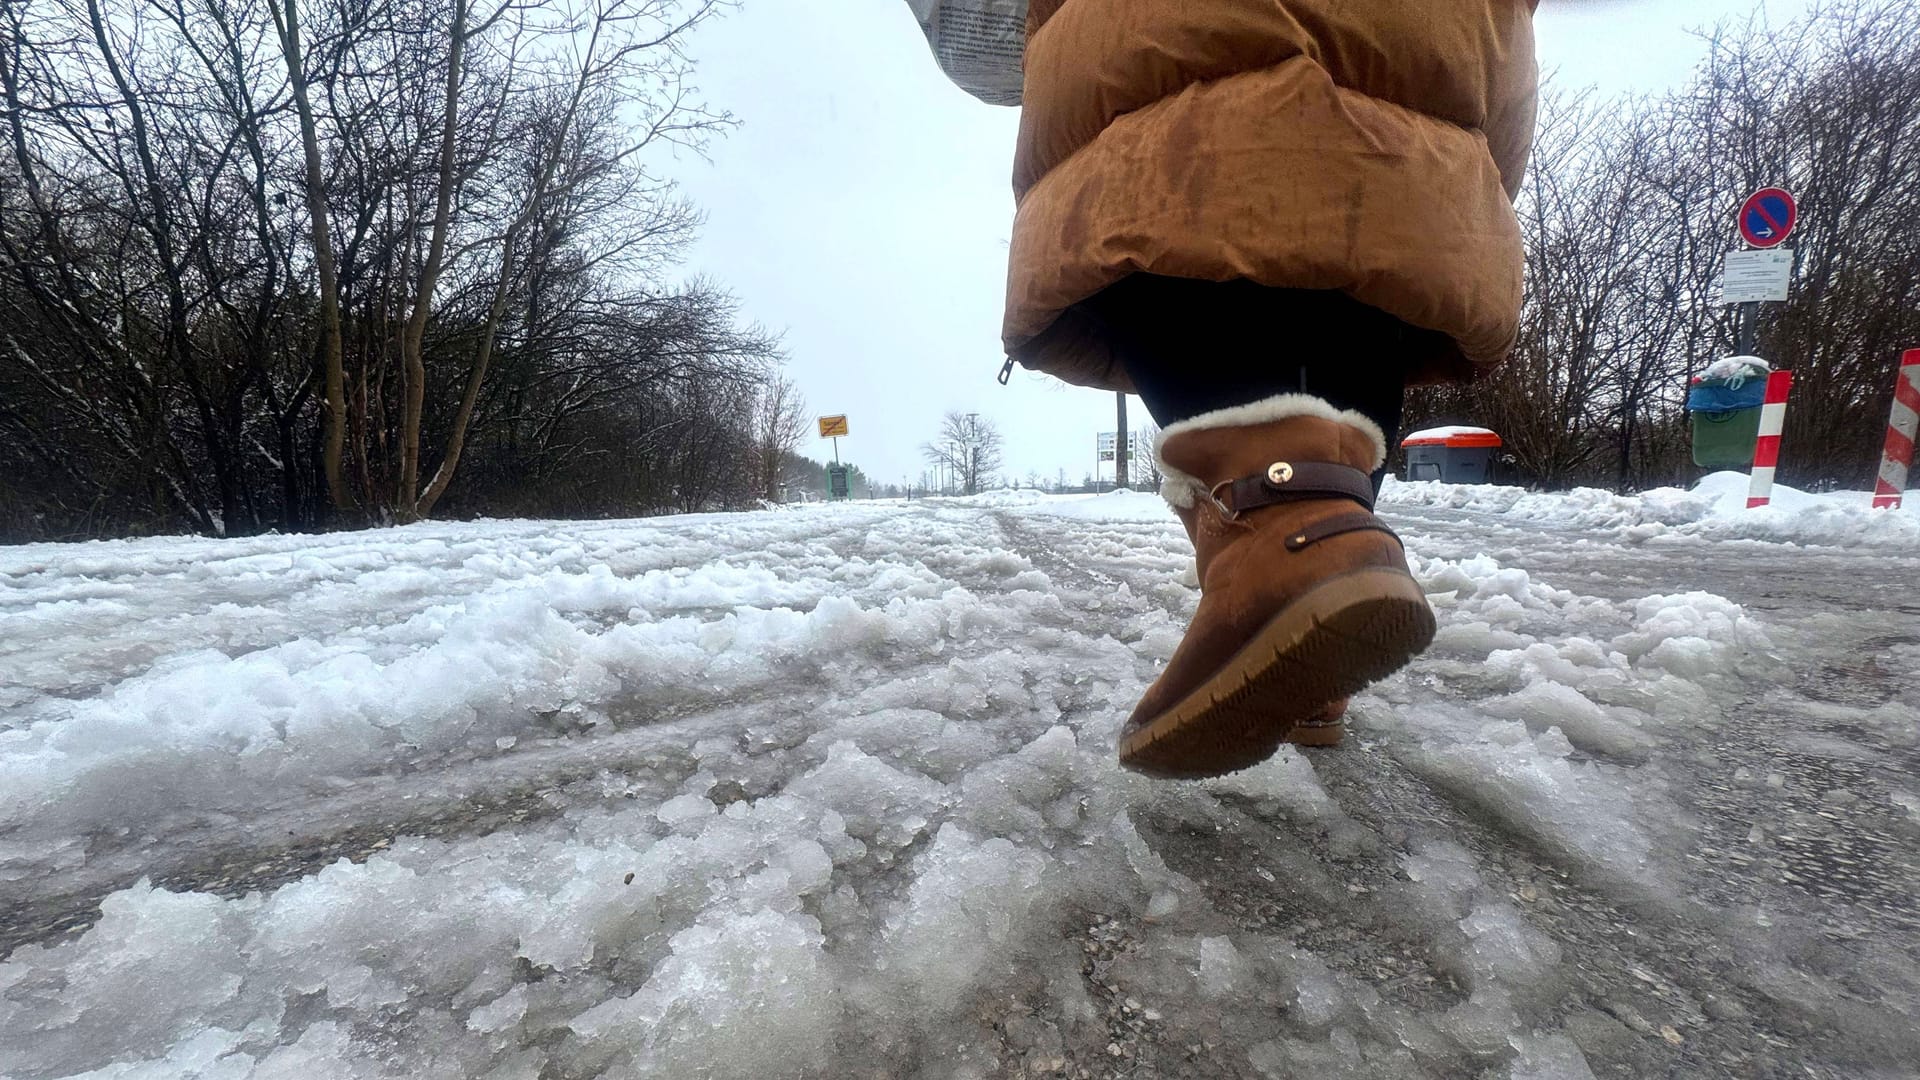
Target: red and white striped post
1766 450
1902 427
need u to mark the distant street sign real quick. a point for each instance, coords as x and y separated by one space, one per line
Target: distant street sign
833 426
1138 445
1756 277
839 481
1767 218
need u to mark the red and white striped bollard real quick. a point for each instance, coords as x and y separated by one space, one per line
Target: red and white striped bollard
1766 450
1901 430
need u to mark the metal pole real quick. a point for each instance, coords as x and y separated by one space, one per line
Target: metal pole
973 453
1747 329
1120 441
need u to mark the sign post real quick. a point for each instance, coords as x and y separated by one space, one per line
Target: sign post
1762 275
1766 219
839 486
1902 427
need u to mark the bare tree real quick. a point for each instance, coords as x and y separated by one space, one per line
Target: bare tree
1147 457
968 448
780 419
287 23
271 264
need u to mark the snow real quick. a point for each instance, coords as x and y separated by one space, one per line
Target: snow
1714 509
1112 506
1447 432
830 791
1736 367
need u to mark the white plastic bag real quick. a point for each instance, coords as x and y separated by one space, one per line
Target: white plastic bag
978 44
1736 370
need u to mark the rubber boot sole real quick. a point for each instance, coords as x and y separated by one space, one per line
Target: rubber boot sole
1334 640
1317 733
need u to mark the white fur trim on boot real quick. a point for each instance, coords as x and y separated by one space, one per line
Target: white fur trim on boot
1182 490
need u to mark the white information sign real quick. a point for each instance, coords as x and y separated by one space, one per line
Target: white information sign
1757 276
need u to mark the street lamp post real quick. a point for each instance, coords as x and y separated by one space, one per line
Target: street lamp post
973 453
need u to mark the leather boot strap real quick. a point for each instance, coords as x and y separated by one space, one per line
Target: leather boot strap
1286 482
1337 525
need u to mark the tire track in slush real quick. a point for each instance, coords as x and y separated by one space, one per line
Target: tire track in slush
453 799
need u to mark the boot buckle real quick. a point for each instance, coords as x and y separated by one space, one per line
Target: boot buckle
1285 482
1227 513
1279 474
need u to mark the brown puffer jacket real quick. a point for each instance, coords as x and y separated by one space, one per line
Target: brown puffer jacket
1371 146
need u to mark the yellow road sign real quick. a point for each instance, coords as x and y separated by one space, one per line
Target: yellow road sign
832 426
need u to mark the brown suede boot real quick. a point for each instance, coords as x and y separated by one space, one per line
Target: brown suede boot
1305 595
1323 729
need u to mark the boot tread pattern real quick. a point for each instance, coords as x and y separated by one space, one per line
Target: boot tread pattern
1345 634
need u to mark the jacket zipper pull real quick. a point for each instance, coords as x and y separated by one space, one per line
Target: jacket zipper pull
1006 371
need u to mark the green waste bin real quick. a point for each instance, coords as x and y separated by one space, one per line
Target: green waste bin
1724 407
839 482
1724 439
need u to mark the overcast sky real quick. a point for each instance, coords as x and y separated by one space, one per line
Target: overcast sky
863 208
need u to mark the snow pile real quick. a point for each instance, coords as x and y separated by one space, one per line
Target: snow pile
1715 509
1833 519
1580 508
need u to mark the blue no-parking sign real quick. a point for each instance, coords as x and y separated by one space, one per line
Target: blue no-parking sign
1767 217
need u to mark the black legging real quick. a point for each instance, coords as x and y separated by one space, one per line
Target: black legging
1195 346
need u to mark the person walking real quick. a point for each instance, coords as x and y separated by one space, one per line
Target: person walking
1268 218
